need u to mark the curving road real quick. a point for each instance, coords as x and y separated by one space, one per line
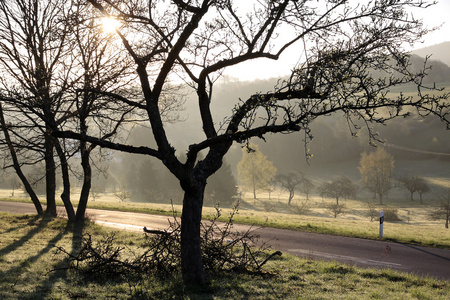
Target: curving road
352 251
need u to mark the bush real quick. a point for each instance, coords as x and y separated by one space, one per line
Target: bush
335 209
391 214
372 212
301 208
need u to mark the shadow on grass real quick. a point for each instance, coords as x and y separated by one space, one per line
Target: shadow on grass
14 274
59 271
26 238
17 272
32 221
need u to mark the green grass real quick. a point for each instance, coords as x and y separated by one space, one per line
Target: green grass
30 268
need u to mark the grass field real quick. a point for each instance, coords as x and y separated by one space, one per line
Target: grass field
414 225
31 268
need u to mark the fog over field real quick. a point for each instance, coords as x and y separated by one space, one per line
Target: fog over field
420 147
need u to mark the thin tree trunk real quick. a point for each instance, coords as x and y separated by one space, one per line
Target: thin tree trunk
87 183
446 220
50 178
16 165
65 196
291 196
191 254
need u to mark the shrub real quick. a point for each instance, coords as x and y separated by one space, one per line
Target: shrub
391 214
335 209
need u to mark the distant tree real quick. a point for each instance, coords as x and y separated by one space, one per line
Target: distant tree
414 184
335 209
222 186
376 170
123 194
423 189
338 188
289 182
442 211
306 187
255 171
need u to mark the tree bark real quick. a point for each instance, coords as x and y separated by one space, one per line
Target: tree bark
50 177
191 254
87 183
65 196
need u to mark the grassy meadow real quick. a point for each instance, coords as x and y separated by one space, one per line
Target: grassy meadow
360 217
32 268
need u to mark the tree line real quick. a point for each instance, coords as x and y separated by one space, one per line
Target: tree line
257 173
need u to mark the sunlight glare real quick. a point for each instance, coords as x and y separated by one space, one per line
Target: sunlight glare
110 24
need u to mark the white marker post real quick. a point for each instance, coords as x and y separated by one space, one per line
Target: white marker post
381 223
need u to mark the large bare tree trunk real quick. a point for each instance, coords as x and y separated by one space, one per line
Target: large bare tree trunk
191 253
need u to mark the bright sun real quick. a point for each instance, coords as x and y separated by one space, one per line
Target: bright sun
110 24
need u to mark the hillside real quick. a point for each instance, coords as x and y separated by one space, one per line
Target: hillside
440 52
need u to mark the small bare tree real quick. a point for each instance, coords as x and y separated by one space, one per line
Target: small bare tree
306 187
335 209
338 188
414 184
289 182
442 211
122 194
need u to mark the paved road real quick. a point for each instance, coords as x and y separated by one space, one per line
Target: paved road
352 251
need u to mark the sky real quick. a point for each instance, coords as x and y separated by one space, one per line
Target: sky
436 15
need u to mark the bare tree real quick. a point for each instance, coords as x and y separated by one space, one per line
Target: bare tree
335 209
62 72
290 182
414 184
338 188
32 42
442 211
306 187
345 45
17 166
423 189
103 80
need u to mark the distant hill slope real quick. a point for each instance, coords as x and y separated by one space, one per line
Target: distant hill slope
439 52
